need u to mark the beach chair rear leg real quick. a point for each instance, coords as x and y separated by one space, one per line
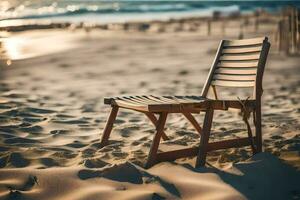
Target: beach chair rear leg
109 125
258 131
154 121
155 143
250 135
204 138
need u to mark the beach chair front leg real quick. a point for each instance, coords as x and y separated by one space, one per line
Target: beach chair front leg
201 158
154 121
109 125
155 143
193 121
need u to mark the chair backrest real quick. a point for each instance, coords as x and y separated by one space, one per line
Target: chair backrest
239 63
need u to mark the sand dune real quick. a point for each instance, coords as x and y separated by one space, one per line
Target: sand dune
52 116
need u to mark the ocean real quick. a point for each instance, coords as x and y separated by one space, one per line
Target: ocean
107 11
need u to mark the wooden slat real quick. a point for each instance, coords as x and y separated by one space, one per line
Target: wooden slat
177 108
159 104
127 99
173 155
253 41
173 98
201 105
235 71
194 99
180 99
232 143
131 100
225 104
126 104
189 152
233 83
155 98
151 98
242 50
240 57
234 77
144 100
168 100
237 64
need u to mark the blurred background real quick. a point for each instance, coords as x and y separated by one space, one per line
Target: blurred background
207 17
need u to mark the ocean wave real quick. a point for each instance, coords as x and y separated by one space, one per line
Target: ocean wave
65 8
105 8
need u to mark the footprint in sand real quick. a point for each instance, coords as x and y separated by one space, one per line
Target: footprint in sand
3 149
76 144
8 131
119 121
49 162
119 154
20 141
95 163
88 108
134 120
3 161
32 129
59 132
88 153
34 119
38 110
15 96
183 72
17 160
135 143
127 131
16 191
64 65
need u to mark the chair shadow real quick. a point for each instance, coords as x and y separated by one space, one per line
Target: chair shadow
264 176
127 172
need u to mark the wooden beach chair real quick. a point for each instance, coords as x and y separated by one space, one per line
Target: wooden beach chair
237 64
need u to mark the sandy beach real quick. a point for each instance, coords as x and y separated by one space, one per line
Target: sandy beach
52 116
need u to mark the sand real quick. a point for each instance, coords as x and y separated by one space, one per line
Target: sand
52 116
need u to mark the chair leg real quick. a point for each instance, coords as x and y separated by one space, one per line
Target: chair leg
250 136
201 158
155 143
154 121
258 131
109 125
193 121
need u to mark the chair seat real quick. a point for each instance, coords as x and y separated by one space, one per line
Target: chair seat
152 103
173 104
